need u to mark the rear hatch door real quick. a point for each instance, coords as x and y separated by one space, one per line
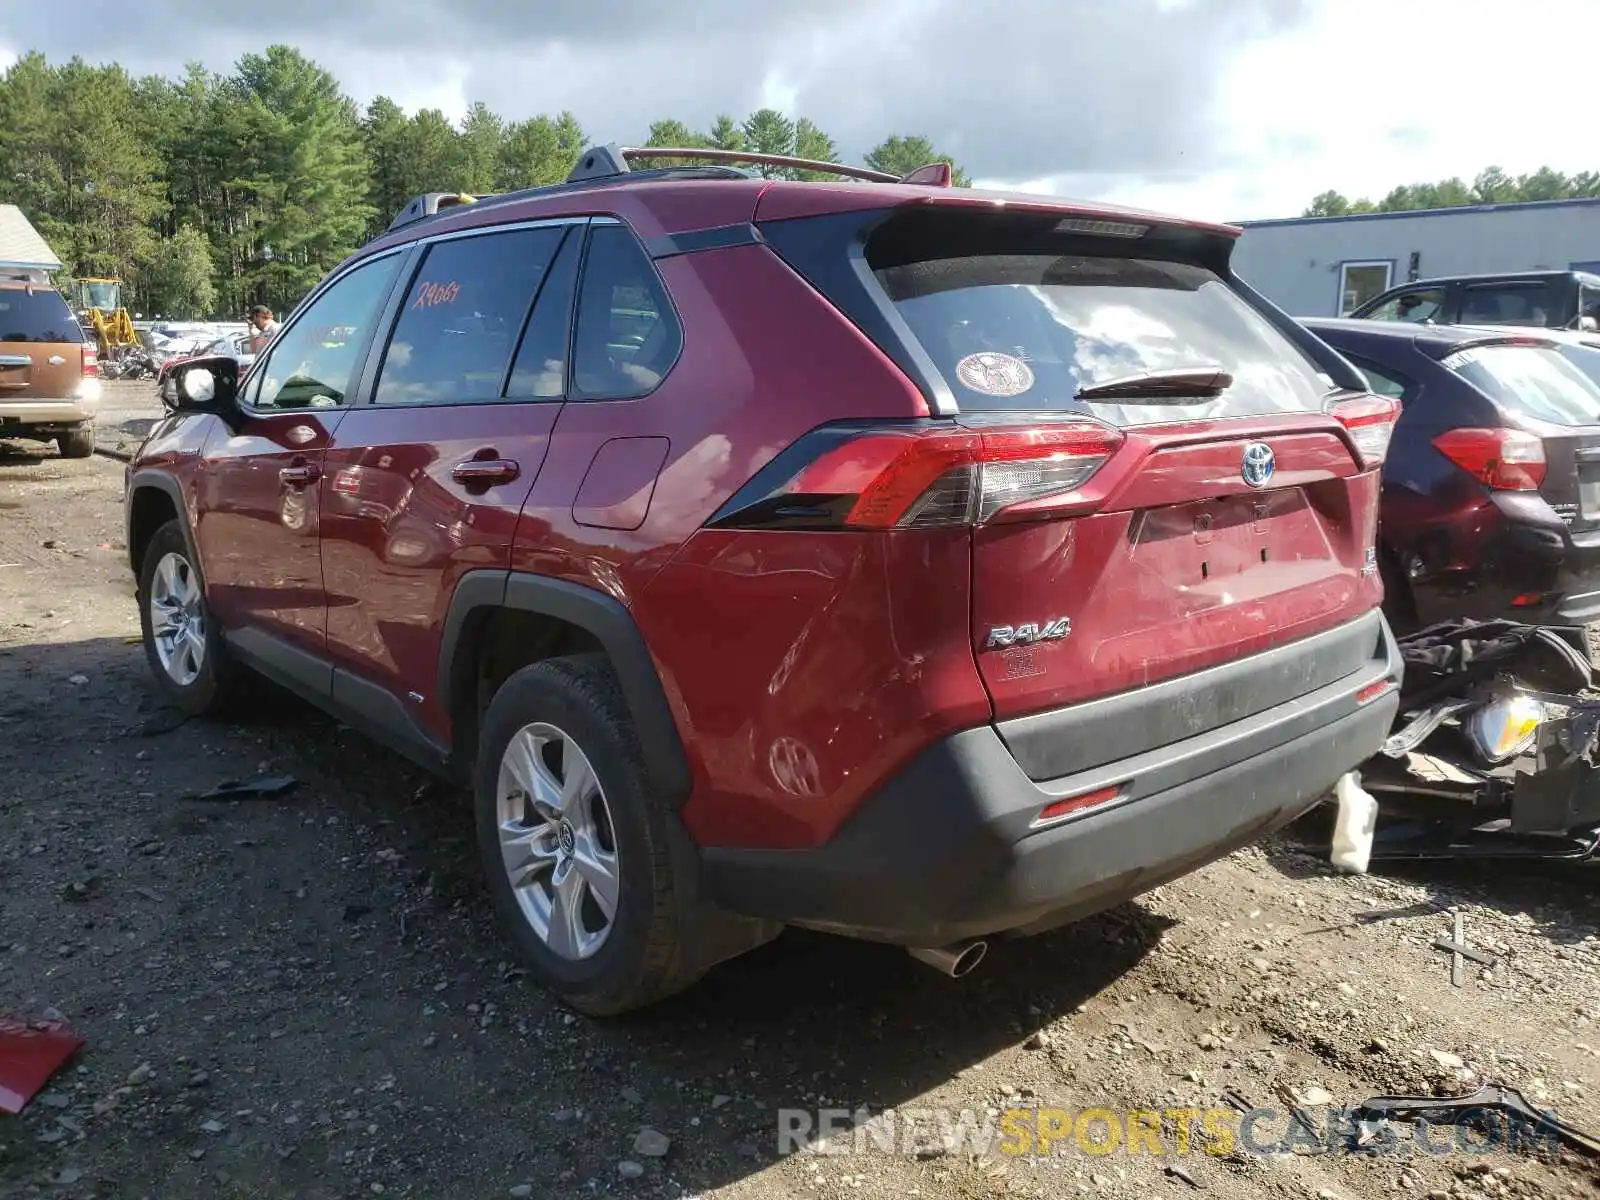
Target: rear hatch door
1227 524
1231 520
41 345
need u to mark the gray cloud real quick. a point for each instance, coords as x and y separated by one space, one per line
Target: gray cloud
1017 90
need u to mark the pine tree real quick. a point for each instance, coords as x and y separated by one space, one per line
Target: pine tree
898 155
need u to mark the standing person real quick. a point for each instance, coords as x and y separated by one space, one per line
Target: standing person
262 328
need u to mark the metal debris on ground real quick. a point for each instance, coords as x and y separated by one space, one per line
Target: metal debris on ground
1438 1110
31 1052
1174 1171
259 788
1459 952
1235 1100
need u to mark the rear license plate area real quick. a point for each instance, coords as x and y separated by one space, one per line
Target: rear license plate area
1210 539
1589 491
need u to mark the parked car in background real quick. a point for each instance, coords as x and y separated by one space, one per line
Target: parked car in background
1541 299
1491 490
871 557
233 345
49 371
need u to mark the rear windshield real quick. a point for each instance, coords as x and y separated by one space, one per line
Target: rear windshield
1027 331
1533 381
40 315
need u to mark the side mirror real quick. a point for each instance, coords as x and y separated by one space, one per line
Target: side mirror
208 385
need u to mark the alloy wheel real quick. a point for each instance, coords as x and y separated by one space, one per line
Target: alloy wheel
178 619
557 841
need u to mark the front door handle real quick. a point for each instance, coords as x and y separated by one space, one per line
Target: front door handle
483 472
301 474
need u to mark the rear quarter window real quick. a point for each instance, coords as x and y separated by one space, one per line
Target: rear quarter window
1531 381
1027 331
39 315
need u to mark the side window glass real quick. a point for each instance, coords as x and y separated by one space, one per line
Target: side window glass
540 372
315 359
1382 383
1506 304
461 317
1416 307
627 336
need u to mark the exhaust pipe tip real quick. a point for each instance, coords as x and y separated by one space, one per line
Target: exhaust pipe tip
955 960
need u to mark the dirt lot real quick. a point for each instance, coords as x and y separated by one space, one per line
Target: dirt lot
306 996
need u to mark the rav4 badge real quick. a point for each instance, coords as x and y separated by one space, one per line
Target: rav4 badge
1001 636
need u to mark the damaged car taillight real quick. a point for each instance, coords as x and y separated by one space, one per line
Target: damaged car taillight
919 474
1370 421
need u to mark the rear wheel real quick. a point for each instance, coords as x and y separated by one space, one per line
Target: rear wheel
181 640
574 844
77 443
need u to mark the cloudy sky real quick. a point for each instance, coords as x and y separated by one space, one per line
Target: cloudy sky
1229 109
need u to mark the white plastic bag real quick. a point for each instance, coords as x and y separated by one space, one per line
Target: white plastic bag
1353 827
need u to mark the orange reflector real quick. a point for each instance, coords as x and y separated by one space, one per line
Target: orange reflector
1078 803
1528 600
1373 690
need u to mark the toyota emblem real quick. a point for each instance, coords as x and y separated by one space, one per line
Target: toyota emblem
1258 464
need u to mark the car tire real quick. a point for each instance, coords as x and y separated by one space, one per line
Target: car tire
563 858
77 443
191 667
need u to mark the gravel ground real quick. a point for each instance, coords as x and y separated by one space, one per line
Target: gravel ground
306 996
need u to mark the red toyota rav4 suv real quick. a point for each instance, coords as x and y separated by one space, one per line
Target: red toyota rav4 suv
880 557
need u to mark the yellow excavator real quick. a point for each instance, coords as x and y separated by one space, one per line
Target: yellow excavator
99 305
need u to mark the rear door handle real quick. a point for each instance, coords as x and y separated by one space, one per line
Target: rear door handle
481 472
299 476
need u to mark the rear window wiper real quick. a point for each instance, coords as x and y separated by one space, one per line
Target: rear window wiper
1175 383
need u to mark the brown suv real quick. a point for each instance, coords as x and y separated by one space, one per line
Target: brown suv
49 375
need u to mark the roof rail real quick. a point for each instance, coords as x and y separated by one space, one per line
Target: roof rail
602 164
708 154
606 162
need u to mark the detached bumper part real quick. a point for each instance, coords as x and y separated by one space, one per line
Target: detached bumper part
948 851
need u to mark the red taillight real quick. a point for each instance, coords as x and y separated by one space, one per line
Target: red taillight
1370 422
1507 459
91 362
919 475
1075 804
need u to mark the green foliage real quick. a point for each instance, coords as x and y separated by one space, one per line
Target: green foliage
539 152
768 131
1492 186
209 192
903 155
176 279
810 142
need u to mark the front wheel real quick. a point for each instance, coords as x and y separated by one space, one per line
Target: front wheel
574 844
181 640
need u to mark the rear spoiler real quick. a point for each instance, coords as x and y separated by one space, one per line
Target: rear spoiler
1441 348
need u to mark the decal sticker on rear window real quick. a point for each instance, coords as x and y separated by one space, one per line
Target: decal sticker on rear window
994 374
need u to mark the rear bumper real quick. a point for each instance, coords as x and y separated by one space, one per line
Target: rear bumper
1532 554
58 414
948 849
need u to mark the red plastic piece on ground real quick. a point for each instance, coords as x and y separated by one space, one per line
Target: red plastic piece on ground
31 1052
